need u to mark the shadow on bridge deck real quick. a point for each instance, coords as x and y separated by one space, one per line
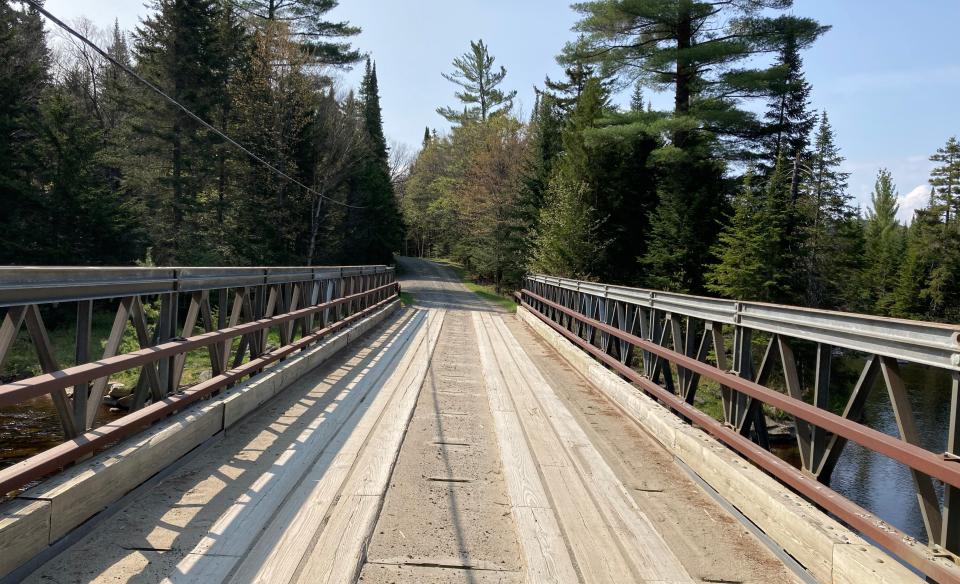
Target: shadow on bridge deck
232 501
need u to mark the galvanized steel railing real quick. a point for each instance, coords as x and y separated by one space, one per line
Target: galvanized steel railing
666 342
303 304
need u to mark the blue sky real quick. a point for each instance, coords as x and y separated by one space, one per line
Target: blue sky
888 73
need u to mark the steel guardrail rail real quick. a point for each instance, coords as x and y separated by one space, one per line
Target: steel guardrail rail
20 285
922 342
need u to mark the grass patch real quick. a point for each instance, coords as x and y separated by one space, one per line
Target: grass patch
485 291
406 298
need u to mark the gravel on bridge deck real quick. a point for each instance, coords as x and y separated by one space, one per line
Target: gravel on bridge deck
449 445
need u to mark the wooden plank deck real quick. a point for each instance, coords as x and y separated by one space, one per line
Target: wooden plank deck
305 486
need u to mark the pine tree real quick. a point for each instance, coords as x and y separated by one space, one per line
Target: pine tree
318 37
479 79
945 178
883 247
694 48
426 137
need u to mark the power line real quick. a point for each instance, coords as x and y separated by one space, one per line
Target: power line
39 8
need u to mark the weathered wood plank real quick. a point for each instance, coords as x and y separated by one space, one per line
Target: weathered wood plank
24 532
546 556
339 551
277 554
234 533
646 550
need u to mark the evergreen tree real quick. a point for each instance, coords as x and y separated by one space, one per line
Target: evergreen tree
636 98
322 39
566 93
545 145
180 48
741 248
945 178
694 48
929 286
789 119
375 231
684 226
271 112
479 80
832 228
426 137
567 242
758 251
883 246
23 80
84 220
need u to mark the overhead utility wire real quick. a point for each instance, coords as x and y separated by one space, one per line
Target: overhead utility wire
159 91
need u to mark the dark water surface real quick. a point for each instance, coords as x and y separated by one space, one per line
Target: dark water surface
885 486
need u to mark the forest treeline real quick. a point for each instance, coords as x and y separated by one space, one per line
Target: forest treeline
736 190
98 169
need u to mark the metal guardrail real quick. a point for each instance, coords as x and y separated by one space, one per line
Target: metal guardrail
32 285
928 343
666 343
235 307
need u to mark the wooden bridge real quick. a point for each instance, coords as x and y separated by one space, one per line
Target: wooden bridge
340 437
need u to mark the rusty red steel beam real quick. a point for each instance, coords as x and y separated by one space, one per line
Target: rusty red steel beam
51 460
915 457
18 391
847 511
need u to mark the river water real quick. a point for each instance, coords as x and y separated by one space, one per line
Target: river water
885 486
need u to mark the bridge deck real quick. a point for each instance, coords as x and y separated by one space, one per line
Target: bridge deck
451 446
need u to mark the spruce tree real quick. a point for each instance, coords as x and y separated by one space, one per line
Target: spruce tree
832 235
23 81
945 178
741 248
883 246
566 93
636 98
179 47
759 250
376 229
788 117
479 80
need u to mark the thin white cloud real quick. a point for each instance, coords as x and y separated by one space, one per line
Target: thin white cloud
915 199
